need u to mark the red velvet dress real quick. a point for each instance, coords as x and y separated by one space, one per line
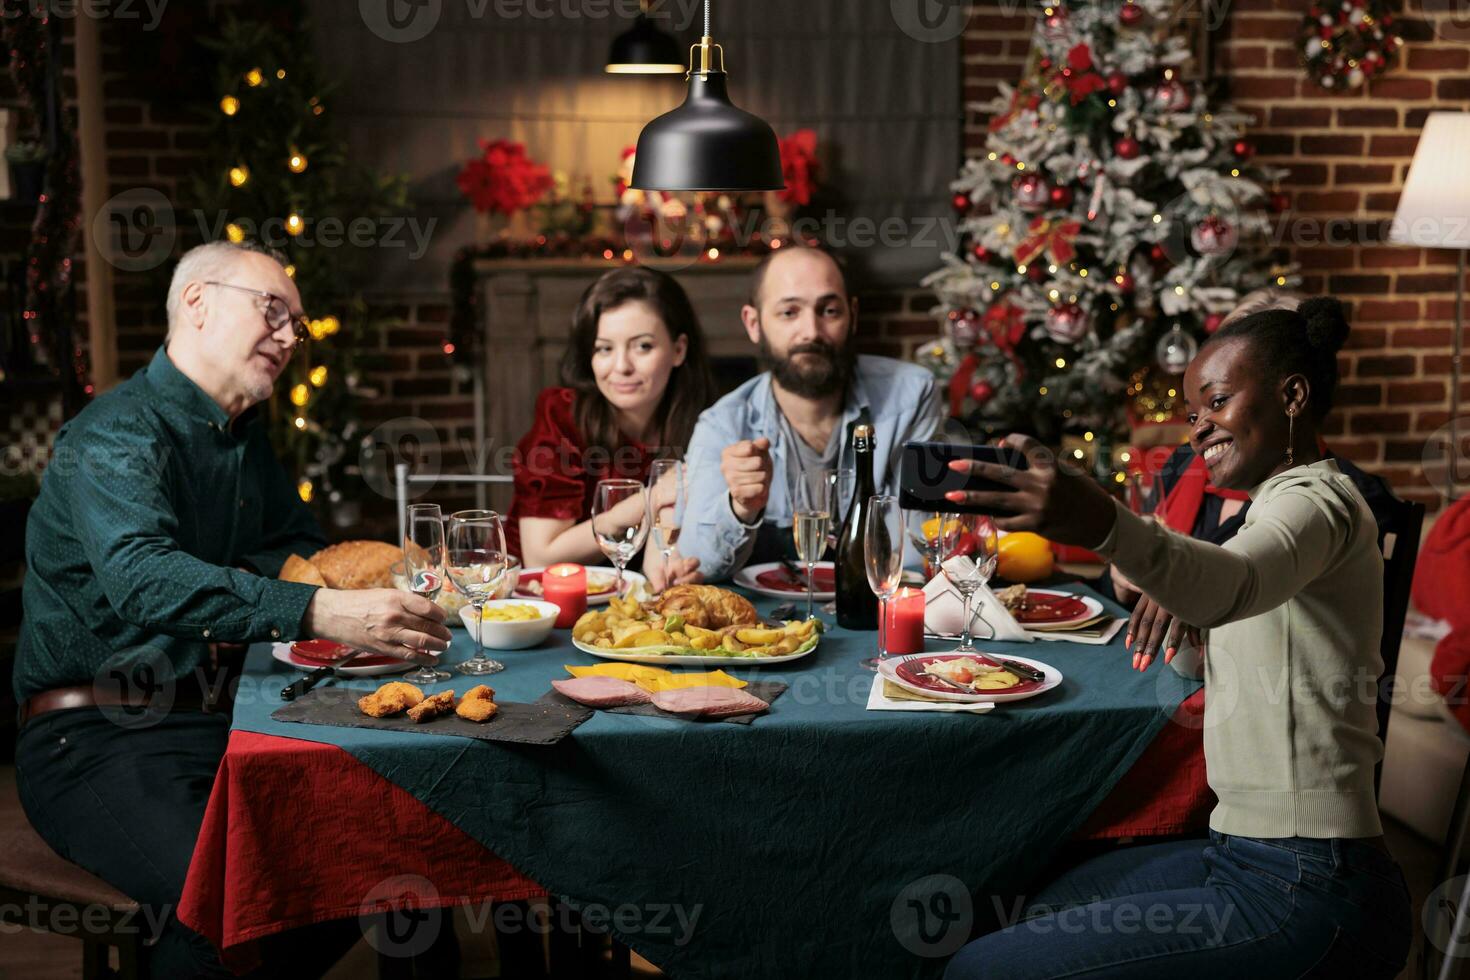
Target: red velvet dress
555 472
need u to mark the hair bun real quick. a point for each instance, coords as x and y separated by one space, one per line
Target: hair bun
1327 326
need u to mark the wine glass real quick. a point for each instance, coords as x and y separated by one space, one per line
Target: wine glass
666 500
883 555
475 560
968 572
423 563
811 513
620 522
842 483
936 535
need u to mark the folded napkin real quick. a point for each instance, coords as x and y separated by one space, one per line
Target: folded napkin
655 679
887 696
1098 632
944 612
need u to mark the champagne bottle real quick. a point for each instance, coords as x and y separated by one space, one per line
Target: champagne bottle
857 607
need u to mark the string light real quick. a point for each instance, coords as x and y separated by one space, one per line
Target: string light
294 224
234 233
304 488
296 162
229 105
239 175
299 422
300 395
291 271
281 73
318 375
253 78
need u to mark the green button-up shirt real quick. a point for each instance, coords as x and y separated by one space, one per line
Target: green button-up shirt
151 504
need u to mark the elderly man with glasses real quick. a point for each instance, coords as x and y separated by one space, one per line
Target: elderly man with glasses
162 522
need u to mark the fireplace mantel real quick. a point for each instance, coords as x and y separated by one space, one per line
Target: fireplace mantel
527 306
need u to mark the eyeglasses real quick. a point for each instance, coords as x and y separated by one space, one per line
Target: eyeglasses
277 311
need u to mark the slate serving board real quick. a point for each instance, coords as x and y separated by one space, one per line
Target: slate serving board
543 722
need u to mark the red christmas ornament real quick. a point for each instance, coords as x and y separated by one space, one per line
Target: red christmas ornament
961 202
1214 236
1158 255
1127 147
1117 83
982 391
1068 323
1061 197
1036 273
1280 202
1213 321
981 253
1131 15
1008 159
1243 150
1031 192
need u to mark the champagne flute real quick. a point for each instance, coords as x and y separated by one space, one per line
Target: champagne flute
967 573
842 483
811 513
883 555
620 522
476 561
938 544
423 561
666 501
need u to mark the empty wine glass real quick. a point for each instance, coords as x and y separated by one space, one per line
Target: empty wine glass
666 502
968 572
936 535
842 482
475 560
883 555
620 522
811 514
423 563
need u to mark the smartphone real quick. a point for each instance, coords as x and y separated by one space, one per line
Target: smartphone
925 477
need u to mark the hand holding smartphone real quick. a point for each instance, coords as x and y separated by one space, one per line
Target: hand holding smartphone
925 476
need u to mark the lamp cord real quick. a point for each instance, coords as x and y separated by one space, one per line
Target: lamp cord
706 18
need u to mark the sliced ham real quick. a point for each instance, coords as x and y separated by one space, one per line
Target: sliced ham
602 692
709 702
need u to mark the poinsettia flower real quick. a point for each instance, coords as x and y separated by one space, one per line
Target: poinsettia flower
503 180
799 166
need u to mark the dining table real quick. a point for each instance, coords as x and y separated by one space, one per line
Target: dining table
822 839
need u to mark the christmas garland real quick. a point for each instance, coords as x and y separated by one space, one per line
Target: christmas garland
1347 42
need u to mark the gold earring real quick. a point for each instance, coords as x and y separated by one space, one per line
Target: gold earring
1290 438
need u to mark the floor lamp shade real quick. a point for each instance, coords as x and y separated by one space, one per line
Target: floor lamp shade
1434 209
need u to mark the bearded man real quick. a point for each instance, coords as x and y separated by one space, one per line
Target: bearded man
796 416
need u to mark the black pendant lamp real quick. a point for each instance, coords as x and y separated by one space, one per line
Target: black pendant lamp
707 144
643 49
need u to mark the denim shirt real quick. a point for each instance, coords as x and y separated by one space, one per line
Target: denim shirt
902 400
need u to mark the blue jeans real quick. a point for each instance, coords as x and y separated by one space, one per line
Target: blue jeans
1224 907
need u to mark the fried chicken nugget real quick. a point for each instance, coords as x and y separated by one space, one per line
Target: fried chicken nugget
392 698
478 704
432 707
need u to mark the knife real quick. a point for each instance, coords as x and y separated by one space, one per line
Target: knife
297 688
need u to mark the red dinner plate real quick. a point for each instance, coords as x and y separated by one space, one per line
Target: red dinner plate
912 671
1045 608
536 577
325 653
824 579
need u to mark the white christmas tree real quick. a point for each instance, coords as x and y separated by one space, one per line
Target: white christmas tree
1112 220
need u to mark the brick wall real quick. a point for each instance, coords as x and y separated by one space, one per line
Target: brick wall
1349 154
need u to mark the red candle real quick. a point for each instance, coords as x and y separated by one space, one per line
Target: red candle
905 621
565 585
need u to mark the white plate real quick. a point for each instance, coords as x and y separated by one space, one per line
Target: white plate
1094 610
630 579
682 660
282 652
889 670
746 579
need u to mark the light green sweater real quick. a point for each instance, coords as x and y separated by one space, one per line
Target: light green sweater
1294 608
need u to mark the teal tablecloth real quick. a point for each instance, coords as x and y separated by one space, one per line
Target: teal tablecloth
796 846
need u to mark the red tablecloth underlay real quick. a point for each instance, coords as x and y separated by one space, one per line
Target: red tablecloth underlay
300 832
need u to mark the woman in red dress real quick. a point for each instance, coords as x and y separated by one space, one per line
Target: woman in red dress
635 378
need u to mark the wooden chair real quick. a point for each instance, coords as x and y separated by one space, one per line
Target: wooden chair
1398 539
41 889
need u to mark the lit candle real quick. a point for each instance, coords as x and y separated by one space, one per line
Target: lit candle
905 625
565 585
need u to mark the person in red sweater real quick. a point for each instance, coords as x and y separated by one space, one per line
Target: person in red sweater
635 378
